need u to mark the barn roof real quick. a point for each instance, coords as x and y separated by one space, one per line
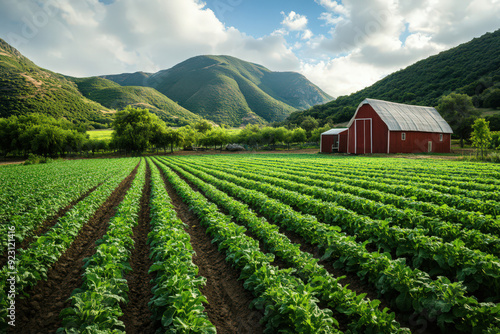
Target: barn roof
334 131
404 117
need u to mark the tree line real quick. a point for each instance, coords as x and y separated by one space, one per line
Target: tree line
135 131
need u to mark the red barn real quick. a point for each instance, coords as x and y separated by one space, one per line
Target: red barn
387 127
334 140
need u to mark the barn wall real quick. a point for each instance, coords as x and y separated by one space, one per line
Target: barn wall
378 127
326 143
417 142
343 142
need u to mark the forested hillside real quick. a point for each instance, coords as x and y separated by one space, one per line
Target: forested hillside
114 96
229 90
472 68
27 88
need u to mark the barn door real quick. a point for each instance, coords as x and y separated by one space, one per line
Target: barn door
363 136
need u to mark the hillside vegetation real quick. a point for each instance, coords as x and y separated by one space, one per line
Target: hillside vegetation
229 90
26 88
114 96
472 68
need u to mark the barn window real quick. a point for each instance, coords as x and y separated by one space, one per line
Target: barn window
403 135
440 137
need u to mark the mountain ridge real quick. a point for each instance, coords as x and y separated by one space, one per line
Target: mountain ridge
472 68
229 90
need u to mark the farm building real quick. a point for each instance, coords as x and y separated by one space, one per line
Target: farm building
387 127
334 140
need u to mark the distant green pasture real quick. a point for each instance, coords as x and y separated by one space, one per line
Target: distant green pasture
100 134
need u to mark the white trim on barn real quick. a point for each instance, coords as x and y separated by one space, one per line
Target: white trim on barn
405 117
332 132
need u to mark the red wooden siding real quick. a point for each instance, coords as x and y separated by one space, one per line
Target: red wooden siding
419 142
343 141
326 143
359 141
363 143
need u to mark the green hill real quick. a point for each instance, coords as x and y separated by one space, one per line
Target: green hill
27 88
472 68
116 97
228 90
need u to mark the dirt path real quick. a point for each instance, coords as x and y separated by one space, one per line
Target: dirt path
136 313
40 313
228 302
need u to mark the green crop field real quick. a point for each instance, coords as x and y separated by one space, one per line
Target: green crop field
100 134
251 243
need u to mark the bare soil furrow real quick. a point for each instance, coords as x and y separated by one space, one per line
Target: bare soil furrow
40 312
46 225
136 313
263 247
228 301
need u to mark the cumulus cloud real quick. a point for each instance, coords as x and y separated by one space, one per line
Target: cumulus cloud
333 6
294 21
371 39
88 37
367 39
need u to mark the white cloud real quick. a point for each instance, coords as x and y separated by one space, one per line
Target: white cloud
86 37
333 6
294 21
341 76
330 19
83 38
364 43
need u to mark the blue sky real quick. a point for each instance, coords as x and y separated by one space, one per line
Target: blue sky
259 17
341 46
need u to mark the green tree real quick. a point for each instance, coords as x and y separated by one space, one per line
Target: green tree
203 126
214 137
250 135
492 98
135 128
190 136
173 138
309 123
299 135
481 135
48 139
458 111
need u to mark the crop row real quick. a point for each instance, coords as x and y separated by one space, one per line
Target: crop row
431 169
474 268
289 305
375 207
411 289
32 198
378 191
364 315
426 195
177 300
96 305
32 264
392 172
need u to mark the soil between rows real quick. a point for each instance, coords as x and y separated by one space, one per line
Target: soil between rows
351 280
40 312
136 313
278 262
228 301
46 225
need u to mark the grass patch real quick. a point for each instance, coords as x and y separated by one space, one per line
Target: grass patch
100 134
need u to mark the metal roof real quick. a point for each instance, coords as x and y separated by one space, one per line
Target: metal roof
404 117
334 131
